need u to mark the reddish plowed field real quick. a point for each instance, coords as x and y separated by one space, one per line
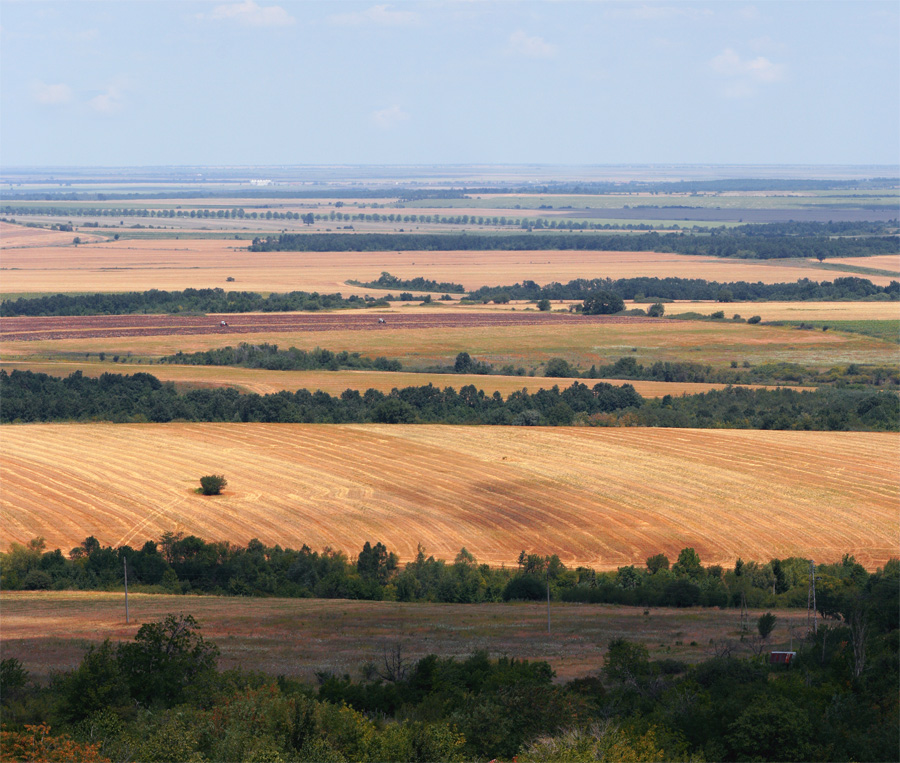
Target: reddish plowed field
73 327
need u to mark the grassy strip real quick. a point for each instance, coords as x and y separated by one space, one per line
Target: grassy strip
888 331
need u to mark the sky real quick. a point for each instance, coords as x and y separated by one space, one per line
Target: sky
288 82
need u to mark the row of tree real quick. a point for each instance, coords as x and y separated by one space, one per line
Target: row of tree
180 563
270 357
187 301
387 281
29 397
695 289
721 244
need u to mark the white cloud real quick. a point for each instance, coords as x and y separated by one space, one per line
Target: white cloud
743 77
379 15
523 44
389 117
110 101
759 69
51 95
250 13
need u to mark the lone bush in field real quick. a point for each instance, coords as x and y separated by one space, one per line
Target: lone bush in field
212 484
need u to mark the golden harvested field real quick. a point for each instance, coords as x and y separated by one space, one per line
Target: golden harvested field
173 264
50 631
335 382
18 236
600 497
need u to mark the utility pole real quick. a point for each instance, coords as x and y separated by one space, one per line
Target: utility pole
125 566
548 598
811 612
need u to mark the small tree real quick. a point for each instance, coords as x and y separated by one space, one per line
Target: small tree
543 305
602 303
656 310
212 484
766 624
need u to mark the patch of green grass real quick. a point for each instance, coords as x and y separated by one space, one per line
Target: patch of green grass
889 330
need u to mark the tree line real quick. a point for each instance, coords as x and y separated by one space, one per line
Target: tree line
647 289
185 564
141 397
270 357
387 281
716 244
187 301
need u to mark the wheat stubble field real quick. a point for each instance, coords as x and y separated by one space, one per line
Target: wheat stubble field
600 497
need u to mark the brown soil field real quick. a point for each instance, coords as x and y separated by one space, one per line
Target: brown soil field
600 497
179 264
72 327
20 236
50 631
522 339
335 382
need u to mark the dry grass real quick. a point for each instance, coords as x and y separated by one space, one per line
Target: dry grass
20 236
604 498
297 637
335 382
180 264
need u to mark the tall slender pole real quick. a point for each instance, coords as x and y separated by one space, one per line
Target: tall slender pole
548 600
125 565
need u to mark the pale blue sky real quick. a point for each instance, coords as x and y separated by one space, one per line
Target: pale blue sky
148 82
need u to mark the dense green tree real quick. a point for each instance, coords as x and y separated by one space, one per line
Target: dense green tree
602 303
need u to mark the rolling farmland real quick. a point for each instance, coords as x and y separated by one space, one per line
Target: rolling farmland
173 264
423 337
599 497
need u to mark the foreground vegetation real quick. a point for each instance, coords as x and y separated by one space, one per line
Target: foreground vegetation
162 696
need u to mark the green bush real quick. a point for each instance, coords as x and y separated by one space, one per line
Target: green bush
754 319
212 484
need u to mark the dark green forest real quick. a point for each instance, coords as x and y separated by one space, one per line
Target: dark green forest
188 301
719 244
698 289
27 397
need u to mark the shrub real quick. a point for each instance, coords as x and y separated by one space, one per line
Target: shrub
656 310
212 484
602 303
754 319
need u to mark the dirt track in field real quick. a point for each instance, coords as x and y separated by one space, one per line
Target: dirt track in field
27 328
